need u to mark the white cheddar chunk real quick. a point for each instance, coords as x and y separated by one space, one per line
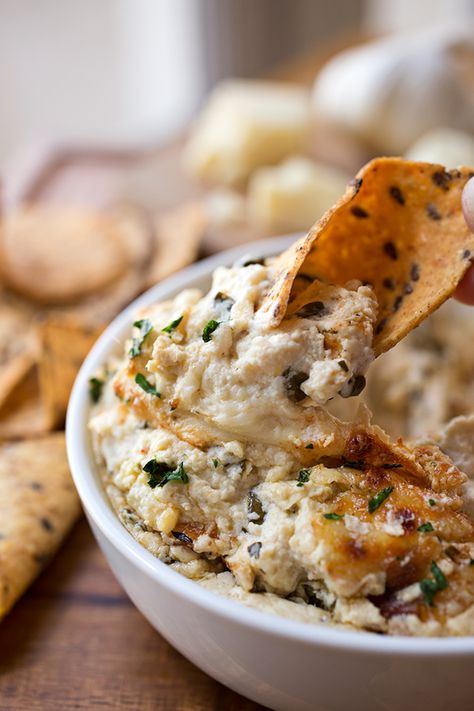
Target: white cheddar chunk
247 124
293 195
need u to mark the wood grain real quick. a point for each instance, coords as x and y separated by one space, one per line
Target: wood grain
75 641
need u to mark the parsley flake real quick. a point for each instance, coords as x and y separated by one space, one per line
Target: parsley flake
379 498
209 329
95 389
161 473
255 508
333 516
425 527
429 587
171 326
145 326
216 463
432 502
309 446
145 385
303 476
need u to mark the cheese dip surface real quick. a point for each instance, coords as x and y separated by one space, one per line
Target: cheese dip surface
219 456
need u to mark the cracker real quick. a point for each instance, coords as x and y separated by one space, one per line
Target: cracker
58 255
22 415
38 505
64 345
398 227
18 347
178 236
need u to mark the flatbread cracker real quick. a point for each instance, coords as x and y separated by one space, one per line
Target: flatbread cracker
18 346
64 345
398 227
38 505
178 236
58 255
22 415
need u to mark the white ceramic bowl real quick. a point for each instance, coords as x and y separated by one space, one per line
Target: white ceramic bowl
277 662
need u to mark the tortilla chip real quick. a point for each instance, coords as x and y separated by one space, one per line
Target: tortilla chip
38 505
400 228
64 345
22 415
178 235
58 255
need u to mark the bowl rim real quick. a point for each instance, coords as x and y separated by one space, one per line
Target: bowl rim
94 499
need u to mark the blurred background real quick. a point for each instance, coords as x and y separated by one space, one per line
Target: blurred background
136 70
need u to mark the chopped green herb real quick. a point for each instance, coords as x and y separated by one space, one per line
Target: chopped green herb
391 465
161 473
171 326
425 527
303 476
95 389
255 508
145 385
209 329
292 380
309 446
432 502
333 516
216 463
429 587
144 326
379 498
342 364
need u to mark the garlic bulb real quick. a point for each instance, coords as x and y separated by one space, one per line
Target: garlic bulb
389 92
444 145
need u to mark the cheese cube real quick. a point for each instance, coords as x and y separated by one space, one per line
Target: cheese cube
246 124
292 196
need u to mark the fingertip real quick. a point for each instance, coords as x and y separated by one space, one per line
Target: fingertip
468 203
465 289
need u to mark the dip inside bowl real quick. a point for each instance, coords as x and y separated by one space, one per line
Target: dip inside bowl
277 662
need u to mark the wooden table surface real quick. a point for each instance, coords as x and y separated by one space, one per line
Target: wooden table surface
75 641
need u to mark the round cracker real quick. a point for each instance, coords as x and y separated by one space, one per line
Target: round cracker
58 255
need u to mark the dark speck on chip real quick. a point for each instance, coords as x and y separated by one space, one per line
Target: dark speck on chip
433 212
397 194
397 303
356 183
293 379
314 308
408 289
389 283
441 178
466 254
415 272
390 248
359 212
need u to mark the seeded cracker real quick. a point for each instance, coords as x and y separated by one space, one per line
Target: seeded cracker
38 505
400 228
58 256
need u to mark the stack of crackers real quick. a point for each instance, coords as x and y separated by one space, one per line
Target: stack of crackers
64 274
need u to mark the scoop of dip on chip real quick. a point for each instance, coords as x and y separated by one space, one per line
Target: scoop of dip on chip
221 457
